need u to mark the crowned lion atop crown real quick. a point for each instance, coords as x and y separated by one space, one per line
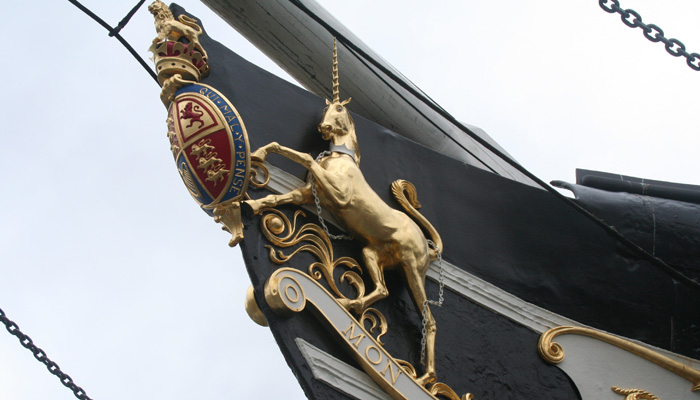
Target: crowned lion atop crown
173 29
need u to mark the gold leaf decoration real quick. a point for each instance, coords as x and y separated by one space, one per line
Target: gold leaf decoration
553 352
258 168
444 391
283 233
634 394
408 368
378 321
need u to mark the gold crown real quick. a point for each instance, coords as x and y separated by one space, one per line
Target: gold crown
173 57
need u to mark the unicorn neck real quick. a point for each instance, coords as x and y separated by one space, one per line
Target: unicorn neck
348 139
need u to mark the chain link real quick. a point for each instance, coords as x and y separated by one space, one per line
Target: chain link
41 356
441 299
318 203
652 32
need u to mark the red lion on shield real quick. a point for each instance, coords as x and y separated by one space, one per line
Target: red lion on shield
193 113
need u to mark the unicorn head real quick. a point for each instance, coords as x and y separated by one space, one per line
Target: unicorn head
337 124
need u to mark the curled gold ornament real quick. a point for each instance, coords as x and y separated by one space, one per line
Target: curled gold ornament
282 232
258 170
407 368
442 390
553 353
635 394
274 224
378 321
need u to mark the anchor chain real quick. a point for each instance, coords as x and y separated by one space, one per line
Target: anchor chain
652 32
41 356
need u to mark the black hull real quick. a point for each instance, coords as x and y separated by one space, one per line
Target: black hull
516 237
477 351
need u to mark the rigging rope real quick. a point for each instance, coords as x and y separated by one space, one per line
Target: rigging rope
610 230
361 54
114 32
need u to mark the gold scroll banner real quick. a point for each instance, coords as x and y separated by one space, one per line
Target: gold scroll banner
289 290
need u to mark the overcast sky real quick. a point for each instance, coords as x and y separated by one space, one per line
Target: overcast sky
109 265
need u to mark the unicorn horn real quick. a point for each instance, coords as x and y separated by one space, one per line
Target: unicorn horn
336 86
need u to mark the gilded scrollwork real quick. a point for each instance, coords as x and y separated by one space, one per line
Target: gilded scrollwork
408 368
444 391
259 175
378 321
635 394
282 232
553 352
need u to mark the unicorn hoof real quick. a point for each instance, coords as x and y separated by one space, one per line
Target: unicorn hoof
428 378
254 205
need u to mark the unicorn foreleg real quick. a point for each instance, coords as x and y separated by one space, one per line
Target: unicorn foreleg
300 158
261 153
303 159
339 194
297 196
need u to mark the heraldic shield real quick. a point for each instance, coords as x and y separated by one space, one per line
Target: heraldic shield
209 144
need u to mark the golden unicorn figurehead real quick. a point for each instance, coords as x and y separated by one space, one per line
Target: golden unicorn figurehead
392 239
337 124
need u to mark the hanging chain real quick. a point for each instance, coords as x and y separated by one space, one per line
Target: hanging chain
318 203
652 32
41 356
441 299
